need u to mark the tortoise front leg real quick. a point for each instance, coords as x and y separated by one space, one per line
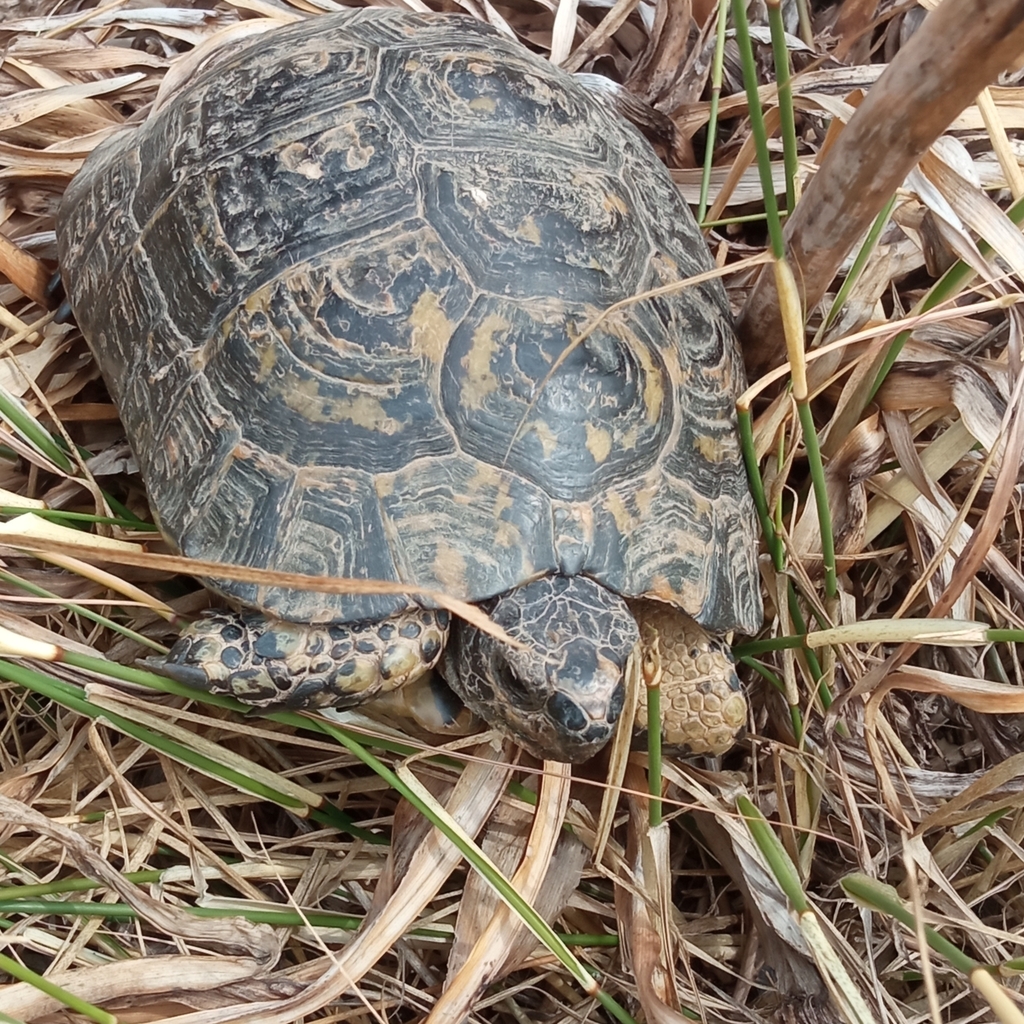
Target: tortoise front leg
272 663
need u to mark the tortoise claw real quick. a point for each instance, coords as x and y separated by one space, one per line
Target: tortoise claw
55 289
187 675
57 300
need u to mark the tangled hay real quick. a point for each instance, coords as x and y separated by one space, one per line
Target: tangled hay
214 867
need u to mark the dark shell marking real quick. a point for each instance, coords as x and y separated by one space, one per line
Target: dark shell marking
271 663
332 286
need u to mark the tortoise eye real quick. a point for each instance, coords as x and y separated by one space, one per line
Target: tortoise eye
509 684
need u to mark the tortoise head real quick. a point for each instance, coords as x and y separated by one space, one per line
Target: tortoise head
559 695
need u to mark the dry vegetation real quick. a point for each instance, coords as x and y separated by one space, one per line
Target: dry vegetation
889 748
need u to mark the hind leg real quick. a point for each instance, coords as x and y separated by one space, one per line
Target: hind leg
703 708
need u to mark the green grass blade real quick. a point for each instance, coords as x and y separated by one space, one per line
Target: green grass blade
717 74
859 263
82 610
29 430
58 515
820 491
882 898
654 774
72 1002
422 801
774 853
764 166
787 121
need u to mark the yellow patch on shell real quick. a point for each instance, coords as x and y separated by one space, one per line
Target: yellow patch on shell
480 379
710 448
431 329
486 480
268 360
349 139
703 707
682 593
263 341
399 663
666 268
654 391
546 436
702 506
450 569
599 442
502 498
677 374
528 231
624 519
614 204
661 588
297 159
645 495
628 437
507 535
365 678
303 396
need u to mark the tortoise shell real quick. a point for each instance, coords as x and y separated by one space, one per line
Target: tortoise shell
338 286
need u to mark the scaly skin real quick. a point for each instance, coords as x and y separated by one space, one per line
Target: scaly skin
271 663
560 696
703 708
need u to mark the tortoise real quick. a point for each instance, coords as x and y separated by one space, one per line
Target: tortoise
353 291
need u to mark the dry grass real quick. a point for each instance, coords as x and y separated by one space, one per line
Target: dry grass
884 748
